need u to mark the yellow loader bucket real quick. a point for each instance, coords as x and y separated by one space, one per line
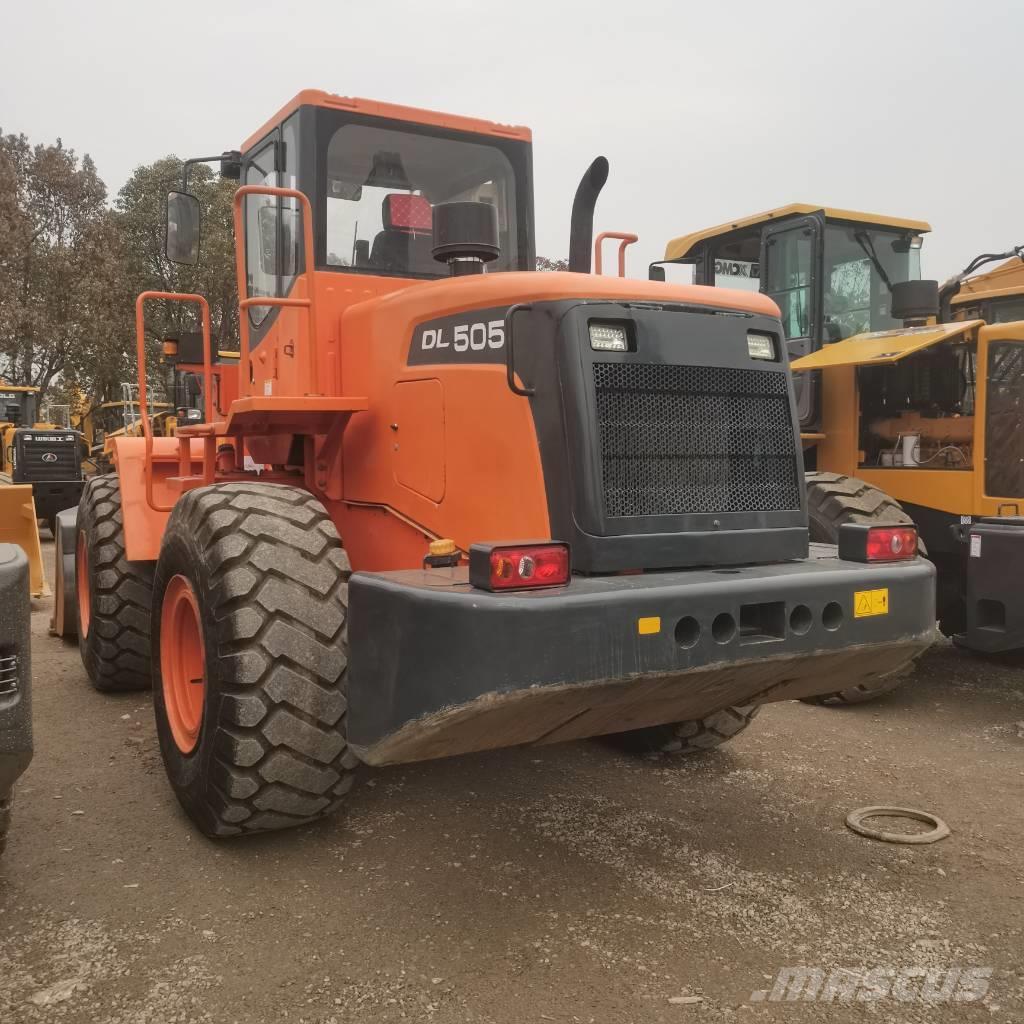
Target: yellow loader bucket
18 525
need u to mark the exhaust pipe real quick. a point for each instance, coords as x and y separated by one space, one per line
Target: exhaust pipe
581 227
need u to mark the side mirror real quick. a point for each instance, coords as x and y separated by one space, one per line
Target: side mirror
655 273
182 241
231 165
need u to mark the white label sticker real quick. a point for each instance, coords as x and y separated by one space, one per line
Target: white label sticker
268 387
975 545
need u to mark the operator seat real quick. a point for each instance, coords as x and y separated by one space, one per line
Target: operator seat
405 243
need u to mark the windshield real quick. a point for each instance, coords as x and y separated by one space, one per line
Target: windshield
860 265
1006 310
382 186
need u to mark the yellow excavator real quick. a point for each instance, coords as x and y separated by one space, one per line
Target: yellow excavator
911 394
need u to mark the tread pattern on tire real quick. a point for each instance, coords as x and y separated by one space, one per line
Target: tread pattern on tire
693 736
279 593
834 499
116 653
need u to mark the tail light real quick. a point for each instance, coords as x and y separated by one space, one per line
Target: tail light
859 542
525 566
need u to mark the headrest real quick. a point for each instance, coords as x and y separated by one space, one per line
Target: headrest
404 212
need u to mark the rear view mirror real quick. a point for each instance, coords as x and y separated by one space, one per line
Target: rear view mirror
655 273
182 240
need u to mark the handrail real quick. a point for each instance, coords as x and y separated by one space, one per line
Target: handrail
140 352
625 239
245 300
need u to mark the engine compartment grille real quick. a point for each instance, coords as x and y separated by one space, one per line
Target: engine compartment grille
687 439
48 460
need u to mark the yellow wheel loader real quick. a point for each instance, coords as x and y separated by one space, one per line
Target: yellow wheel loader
911 403
18 515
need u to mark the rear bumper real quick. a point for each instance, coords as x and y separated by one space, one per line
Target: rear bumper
53 496
438 668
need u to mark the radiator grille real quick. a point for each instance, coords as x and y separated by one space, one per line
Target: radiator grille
48 460
8 674
681 439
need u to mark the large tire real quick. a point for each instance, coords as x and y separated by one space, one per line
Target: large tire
260 572
692 737
115 596
832 500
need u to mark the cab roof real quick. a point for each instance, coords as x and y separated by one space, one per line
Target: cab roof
394 111
684 245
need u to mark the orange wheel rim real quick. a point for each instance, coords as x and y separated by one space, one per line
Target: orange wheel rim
82 585
182 663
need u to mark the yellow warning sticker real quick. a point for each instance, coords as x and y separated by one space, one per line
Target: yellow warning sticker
649 625
870 602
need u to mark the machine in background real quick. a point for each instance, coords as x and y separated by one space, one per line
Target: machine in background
911 404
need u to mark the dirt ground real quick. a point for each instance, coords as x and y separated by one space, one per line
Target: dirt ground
569 884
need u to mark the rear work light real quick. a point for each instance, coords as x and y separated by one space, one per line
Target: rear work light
609 338
760 346
525 566
859 542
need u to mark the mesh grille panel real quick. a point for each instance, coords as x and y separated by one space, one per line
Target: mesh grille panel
8 674
679 439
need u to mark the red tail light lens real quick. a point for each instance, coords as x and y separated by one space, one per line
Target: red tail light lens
861 542
518 566
891 543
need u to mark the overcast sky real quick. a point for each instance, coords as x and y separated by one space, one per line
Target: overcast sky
707 111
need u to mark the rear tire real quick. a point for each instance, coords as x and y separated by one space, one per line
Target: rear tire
115 598
265 748
695 736
832 500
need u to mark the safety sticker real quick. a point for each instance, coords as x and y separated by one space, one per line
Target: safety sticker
648 625
975 545
870 602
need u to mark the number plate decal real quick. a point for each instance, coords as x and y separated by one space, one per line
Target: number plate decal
475 336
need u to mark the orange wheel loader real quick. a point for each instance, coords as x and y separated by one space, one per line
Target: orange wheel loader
448 503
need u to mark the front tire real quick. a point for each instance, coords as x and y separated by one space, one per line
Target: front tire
832 500
696 736
250 655
114 594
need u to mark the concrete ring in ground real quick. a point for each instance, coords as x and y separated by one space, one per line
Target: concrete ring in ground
855 821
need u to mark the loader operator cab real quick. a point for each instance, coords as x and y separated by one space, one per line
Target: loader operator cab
374 183
829 271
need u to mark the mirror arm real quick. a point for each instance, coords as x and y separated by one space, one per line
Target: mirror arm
228 155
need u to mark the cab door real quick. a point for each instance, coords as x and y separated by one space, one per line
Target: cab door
791 262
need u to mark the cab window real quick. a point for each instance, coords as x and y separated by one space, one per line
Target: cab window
273 227
260 229
382 186
787 279
1006 311
861 264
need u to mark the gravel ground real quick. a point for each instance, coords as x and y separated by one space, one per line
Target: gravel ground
566 884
